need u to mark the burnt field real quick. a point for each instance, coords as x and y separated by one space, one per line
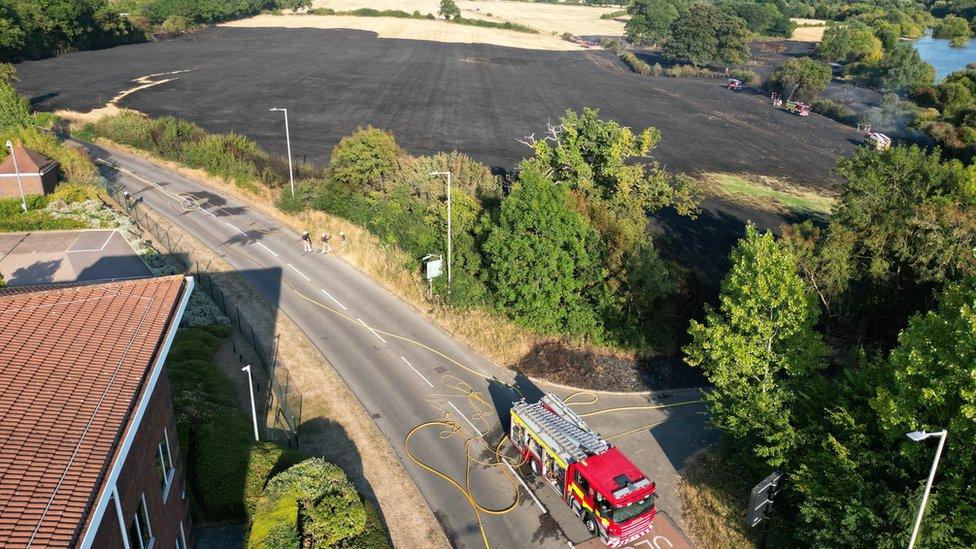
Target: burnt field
478 99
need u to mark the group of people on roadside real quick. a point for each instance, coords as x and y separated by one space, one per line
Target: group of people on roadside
325 239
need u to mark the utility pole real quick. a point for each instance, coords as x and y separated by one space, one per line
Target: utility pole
919 436
254 412
448 174
23 201
291 173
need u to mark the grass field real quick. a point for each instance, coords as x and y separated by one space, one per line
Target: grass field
770 194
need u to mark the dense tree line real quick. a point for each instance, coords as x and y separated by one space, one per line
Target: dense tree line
829 345
32 29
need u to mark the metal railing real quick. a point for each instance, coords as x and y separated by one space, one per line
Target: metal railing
282 399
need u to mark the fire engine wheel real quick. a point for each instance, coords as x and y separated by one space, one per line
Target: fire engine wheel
590 523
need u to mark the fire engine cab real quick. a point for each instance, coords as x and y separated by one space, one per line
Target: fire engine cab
604 488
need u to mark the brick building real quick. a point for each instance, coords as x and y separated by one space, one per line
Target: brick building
89 455
38 173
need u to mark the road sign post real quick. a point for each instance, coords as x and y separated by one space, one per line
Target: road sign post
433 267
761 502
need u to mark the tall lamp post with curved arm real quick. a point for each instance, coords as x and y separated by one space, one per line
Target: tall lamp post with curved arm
919 436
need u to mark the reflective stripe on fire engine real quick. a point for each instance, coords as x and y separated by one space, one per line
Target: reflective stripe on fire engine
579 496
548 450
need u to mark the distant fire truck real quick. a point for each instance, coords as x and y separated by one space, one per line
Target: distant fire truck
604 488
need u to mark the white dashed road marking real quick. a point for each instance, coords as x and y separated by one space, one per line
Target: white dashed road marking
418 373
267 248
299 272
334 299
372 330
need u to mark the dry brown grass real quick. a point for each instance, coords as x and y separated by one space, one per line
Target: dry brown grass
713 500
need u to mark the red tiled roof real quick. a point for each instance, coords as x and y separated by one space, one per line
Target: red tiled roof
73 361
28 161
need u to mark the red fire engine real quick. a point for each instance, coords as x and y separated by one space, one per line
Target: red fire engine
604 488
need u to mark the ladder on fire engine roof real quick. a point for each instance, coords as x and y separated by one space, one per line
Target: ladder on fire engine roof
560 428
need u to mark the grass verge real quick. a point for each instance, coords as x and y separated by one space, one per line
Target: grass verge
714 497
769 194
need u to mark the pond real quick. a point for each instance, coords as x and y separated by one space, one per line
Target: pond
944 57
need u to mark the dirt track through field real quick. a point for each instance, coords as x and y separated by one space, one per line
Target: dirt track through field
475 98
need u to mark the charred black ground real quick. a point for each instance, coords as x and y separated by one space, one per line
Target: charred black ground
478 99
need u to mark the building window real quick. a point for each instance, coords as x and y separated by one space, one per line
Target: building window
140 532
164 464
181 539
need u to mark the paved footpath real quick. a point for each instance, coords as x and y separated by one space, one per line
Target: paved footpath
406 371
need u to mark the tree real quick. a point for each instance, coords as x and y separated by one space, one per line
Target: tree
757 346
802 77
952 27
14 110
850 43
368 159
910 211
903 69
449 10
294 5
8 73
542 257
650 21
932 387
600 160
704 35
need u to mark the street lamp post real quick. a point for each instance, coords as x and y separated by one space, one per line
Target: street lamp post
919 436
291 174
448 174
23 201
254 412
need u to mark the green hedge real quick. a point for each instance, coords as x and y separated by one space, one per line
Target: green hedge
230 156
838 111
14 219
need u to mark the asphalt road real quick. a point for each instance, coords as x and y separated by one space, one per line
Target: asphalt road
416 375
475 98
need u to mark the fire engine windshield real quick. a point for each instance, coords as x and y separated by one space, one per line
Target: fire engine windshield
627 512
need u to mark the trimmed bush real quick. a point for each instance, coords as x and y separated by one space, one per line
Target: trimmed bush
312 498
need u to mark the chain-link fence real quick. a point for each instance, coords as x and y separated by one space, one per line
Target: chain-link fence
285 403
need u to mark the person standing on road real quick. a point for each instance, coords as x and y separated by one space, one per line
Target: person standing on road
307 241
326 248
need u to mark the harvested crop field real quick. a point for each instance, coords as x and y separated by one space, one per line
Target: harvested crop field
411 29
475 98
544 17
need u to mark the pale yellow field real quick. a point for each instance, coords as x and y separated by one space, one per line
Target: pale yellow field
809 33
546 18
413 29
